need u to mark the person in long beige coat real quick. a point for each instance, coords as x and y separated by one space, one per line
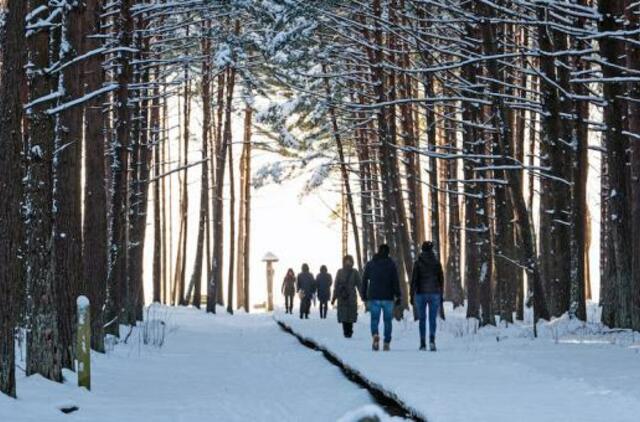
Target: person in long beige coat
346 292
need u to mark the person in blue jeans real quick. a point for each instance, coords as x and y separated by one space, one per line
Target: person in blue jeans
380 289
427 285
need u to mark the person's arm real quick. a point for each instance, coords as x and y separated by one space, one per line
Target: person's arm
396 282
440 278
284 282
298 283
333 296
364 284
415 276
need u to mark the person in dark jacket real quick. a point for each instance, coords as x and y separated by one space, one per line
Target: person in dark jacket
427 285
323 286
289 290
306 288
346 292
381 288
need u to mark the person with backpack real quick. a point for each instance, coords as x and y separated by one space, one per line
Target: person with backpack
427 286
306 287
346 293
323 288
381 290
289 290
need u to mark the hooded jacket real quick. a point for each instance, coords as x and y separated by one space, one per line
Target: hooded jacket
380 280
427 276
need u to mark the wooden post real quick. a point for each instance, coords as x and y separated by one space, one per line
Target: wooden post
270 272
84 342
270 258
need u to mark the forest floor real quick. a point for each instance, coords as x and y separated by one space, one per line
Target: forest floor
210 368
571 372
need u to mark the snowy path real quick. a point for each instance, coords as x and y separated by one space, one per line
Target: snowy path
473 377
213 368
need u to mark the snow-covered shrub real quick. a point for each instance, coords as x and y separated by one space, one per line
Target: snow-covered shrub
154 326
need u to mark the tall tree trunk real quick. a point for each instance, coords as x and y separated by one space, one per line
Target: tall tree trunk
618 223
196 278
222 151
232 219
67 189
246 249
453 278
95 225
632 10
555 193
158 224
118 244
12 60
214 285
245 186
181 264
44 346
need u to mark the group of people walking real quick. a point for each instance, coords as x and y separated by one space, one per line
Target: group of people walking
378 288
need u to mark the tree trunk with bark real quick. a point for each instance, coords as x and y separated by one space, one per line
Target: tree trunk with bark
44 346
12 60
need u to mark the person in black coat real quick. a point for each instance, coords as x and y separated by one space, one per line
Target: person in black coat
306 288
427 285
323 286
289 290
380 289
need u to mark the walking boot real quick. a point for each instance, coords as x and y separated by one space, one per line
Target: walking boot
432 344
376 343
386 347
423 344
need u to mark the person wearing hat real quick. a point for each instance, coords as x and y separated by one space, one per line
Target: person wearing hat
427 286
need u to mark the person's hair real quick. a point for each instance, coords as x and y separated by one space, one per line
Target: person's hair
305 268
348 258
323 268
291 272
427 246
383 250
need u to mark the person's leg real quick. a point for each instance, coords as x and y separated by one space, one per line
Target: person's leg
421 304
375 309
388 320
434 307
349 329
302 308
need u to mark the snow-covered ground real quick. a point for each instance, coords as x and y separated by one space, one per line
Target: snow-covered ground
210 368
571 372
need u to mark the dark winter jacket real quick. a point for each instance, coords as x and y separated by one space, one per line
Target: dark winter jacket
346 292
380 280
306 284
323 285
289 285
427 276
